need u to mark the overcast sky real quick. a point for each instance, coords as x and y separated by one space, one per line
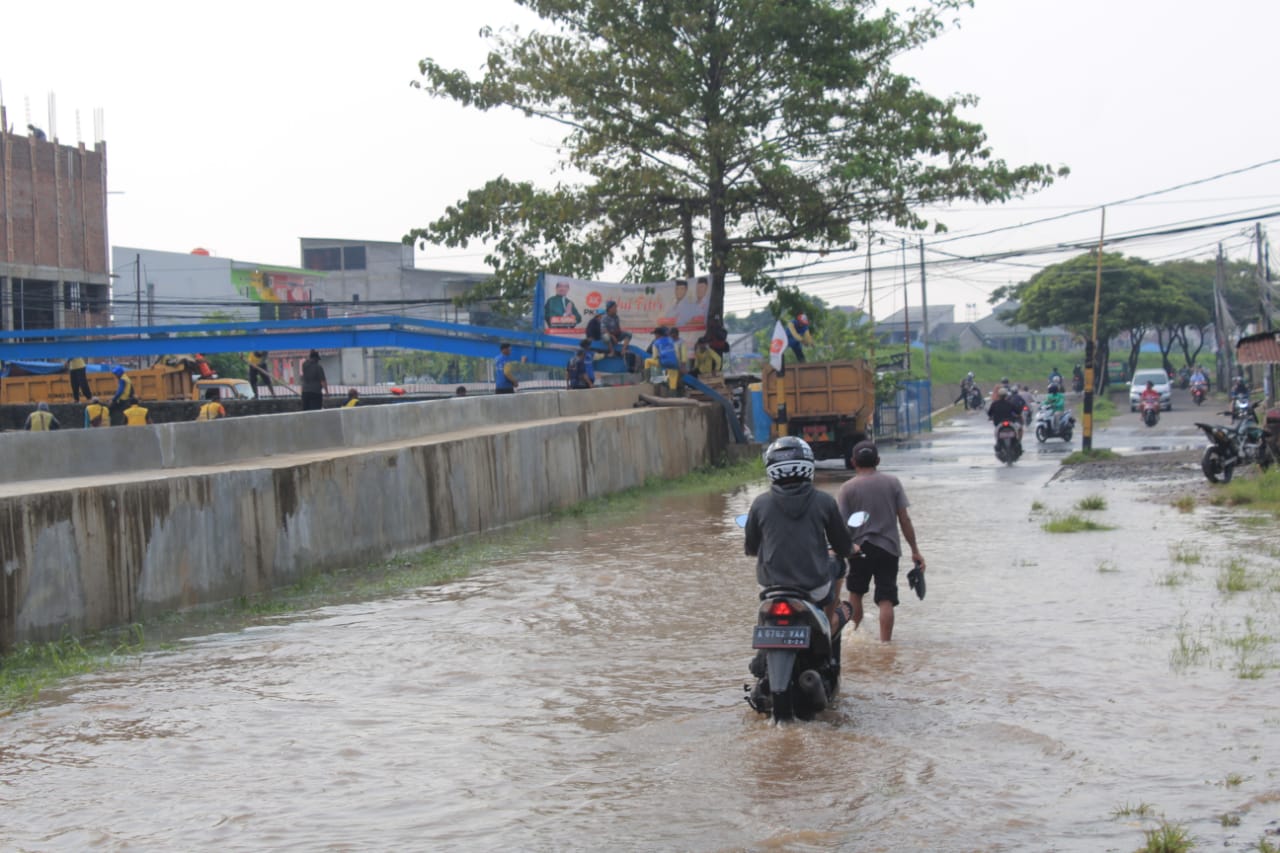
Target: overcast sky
240 127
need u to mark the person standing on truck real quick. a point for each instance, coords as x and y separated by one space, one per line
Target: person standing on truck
136 414
124 388
41 420
314 383
79 383
258 372
799 334
96 414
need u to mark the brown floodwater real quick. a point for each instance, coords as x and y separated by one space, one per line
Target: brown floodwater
584 692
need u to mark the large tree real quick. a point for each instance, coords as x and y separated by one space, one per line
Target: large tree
1130 300
714 134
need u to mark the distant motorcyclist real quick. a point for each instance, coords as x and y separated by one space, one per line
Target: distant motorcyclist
1077 377
1149 395
1055 378
791 526
1239 388
966 386
1056 404
1198 377
1001 409
1019 404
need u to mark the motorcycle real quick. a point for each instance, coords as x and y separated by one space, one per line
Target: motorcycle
1242 443
1198 393
1149 410
1050 424
797 662
973 398
1077 382
1242 410
1008 447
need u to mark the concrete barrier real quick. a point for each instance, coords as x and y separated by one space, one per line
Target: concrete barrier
108 550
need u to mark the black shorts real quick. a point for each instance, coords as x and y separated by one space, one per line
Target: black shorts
879 564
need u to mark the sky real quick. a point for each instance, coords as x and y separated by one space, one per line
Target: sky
241 127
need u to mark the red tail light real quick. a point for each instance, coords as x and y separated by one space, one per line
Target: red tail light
780 608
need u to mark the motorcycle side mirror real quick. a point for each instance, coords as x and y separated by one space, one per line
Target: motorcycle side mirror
858 519
741 520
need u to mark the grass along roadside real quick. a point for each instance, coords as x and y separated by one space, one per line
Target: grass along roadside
30 668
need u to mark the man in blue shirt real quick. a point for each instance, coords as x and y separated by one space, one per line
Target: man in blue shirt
581 372
504 377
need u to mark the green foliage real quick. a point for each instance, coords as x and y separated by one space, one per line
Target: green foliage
775 128
441 367
1084 457
31 667
1092 503
1167 838
1139 809
1072 523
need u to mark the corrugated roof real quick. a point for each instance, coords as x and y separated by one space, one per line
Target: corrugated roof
1263 348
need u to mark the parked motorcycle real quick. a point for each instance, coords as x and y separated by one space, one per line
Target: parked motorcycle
1149 410
1242 443
973 398
1050 424
1198 393
797 662
1008 447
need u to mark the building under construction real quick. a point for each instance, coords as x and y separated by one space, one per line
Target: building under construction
53 232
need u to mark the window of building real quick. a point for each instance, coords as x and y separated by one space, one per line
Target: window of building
353 258
322 259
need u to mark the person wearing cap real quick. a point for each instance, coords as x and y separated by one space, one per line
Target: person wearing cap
124 387
799 334
882 497
314 383
41 420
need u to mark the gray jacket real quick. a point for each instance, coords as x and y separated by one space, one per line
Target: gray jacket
788 531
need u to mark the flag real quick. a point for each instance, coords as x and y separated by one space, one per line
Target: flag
777 345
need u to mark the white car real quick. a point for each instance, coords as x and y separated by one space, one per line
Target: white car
1139 384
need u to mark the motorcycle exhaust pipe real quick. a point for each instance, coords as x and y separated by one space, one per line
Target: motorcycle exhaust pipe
811 684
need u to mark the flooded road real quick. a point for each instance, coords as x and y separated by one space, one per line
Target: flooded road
584 692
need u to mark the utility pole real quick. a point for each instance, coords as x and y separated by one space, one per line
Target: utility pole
137 291
1091 348
871 305
1264 301
906 311
924 317
1220 322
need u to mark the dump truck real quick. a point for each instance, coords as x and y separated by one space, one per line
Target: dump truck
26 386
830 404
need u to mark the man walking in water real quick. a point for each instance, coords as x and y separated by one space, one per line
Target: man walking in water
882 497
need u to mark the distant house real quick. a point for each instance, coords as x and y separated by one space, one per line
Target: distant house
908 324
998 334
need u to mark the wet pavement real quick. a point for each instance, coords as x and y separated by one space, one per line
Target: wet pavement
583 691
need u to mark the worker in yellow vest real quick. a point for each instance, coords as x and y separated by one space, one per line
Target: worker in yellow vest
79 382
353 399
211 410
136 415
96 414
42 420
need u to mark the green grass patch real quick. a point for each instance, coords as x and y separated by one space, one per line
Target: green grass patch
1167 838
1084 457
1233 780
1184 503
1188 649
1036 506
1229 820
1261 492
1233 576
1139 809
1091 503
1176 577
1181 552
1252 652
1107 567
31 667
1265 845
1072 523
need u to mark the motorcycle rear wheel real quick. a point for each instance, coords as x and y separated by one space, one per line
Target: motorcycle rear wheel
1214 470
1066 435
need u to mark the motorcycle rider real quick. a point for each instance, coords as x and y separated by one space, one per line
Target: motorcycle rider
966 385
1077 377
1198 378
1003 410
1019 404
1055 403
1149 395
1055 378
790 527
1239 388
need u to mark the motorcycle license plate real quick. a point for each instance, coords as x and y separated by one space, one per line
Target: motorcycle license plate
780 637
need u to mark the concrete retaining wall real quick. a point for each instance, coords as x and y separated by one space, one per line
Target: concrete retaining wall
240 510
